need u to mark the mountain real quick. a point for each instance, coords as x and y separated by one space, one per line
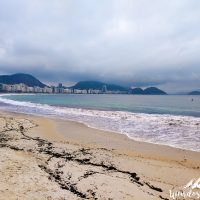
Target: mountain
96 85
194 93
137 91
27 79
148 91
154 91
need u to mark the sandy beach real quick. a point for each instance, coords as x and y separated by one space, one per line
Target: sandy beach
43 158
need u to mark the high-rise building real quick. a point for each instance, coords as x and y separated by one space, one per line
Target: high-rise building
104 89
60 88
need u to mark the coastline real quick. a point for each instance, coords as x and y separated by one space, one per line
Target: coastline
178 131
162 166
80 133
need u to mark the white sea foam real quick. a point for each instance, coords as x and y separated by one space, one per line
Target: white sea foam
178 131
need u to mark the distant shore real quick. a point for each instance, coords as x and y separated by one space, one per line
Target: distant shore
44 158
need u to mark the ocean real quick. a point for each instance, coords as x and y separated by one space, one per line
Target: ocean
172 120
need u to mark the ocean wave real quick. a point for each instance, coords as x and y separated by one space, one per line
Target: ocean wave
177 131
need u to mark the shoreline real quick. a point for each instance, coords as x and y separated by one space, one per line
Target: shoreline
178 131
57 159
102 130
133 147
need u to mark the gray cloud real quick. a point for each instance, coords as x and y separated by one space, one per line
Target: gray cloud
132 42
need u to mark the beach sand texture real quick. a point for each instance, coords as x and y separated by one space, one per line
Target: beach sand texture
45 158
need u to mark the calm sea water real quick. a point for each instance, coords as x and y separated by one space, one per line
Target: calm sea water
170 120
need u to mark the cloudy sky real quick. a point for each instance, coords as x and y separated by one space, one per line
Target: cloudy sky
131 42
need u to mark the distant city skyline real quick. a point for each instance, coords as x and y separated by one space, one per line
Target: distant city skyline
136 43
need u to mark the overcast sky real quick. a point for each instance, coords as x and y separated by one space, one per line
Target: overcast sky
131 42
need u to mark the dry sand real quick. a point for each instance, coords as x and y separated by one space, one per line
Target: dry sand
45 158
